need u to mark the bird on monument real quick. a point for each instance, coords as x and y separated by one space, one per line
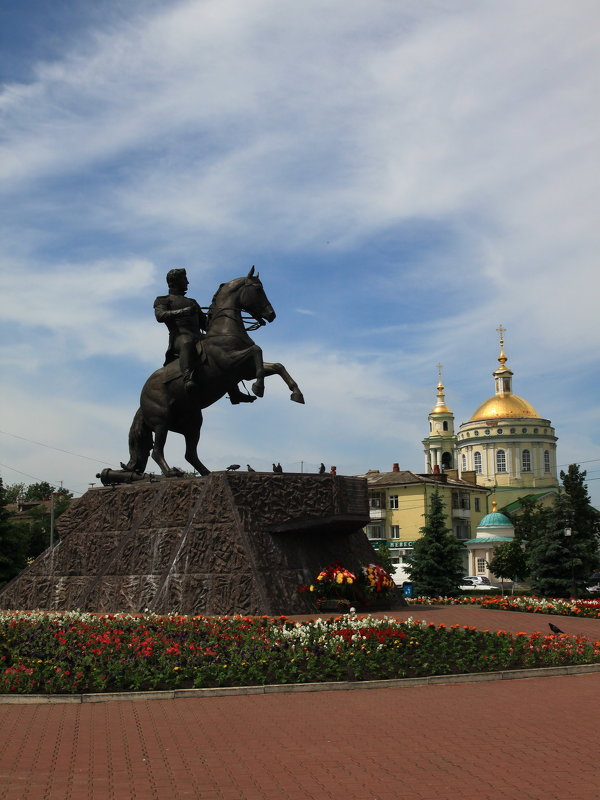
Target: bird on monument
554 628
250 468
232 467
322 469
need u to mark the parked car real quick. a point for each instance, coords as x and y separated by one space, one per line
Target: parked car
478 582
593 583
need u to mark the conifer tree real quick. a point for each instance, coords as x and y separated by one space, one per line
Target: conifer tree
13 542
436 565
564 550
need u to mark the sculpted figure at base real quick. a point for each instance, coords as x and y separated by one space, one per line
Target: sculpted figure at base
206 358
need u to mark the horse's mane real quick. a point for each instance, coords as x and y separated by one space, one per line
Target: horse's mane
233 284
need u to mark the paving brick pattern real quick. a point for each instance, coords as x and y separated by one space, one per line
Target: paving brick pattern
529 739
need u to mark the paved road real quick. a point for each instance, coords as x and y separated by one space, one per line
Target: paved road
528 739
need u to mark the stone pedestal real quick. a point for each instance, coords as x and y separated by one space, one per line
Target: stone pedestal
229 543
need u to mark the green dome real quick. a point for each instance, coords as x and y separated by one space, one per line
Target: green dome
495 520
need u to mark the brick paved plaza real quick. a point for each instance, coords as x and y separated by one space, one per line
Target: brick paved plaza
528 739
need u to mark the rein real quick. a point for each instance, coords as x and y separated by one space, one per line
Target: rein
245 318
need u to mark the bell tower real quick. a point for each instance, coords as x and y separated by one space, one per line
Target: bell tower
440 445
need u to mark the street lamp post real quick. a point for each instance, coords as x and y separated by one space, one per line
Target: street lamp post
569 535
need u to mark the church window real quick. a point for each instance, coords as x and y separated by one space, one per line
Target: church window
468 436
499 430
523 430
475 433
445 425
477 462
500 461
487 431
513 430
526 461
535 430
546 461
464 461
393 501
430 427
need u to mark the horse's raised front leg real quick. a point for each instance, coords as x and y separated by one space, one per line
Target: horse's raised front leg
191 450
278 369
258 387
160 437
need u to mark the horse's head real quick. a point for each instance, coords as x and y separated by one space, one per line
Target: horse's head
251 298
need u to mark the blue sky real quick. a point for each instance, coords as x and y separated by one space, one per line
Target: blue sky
405 175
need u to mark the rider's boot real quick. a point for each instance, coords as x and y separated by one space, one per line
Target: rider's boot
236 396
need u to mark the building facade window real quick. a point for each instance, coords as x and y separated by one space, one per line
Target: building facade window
462 530
464 461
477 504
375 501
480 566
546 461
394 531
375 532
526 461
477 461
393 501
455 502
500 461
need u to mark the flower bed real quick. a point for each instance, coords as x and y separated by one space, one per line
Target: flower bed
76 652
538 605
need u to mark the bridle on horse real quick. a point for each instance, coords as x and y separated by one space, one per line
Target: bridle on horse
244 317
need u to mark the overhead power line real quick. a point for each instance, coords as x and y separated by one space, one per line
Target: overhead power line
58 449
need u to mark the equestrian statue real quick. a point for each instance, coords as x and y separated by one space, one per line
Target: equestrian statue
208 355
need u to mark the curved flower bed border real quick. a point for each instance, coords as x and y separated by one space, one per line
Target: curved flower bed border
531 605
78 652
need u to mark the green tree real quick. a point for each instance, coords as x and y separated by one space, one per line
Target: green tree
13 542
436 565
385 557
39 491
583 520
564 550
13 491
510 561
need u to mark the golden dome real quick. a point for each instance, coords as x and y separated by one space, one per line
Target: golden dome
503 406
440 406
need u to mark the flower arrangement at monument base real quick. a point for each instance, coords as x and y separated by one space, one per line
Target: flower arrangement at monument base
337 589
334 588
378 587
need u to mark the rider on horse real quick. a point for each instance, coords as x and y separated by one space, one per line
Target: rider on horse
186 323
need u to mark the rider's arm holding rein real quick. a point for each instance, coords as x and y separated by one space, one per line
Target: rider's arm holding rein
164 314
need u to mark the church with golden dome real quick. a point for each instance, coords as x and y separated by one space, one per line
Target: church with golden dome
506 446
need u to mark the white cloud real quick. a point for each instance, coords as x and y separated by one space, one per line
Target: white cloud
454 148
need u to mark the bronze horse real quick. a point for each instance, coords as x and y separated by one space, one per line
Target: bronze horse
226 355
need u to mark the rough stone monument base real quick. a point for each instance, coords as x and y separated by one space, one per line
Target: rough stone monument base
228 543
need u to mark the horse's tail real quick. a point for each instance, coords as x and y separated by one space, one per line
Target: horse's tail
140 443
